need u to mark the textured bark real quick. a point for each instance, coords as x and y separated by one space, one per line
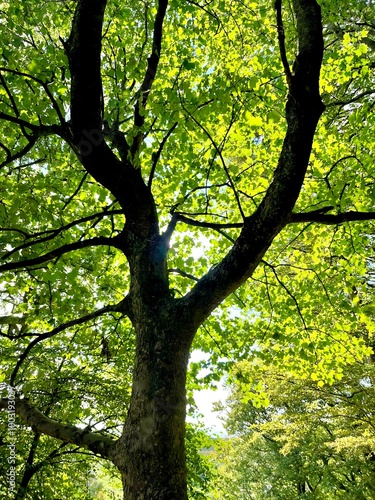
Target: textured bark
150 454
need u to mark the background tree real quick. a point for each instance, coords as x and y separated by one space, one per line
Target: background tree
297 437
133 134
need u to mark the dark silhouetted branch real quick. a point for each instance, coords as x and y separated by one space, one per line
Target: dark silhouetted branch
123 307
58 252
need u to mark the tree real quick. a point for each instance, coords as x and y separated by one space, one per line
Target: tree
295 437
132 134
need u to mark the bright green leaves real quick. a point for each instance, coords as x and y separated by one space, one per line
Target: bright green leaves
309 433
32 46
206 88
213 130
309 300
253 121
200 468
215 123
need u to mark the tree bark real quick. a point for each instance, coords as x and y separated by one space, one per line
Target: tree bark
151 454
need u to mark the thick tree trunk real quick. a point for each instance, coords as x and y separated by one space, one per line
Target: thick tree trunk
151 453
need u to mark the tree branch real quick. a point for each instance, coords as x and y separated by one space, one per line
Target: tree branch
352 99
209 225
76 191
39 130
152 66
43 84
176 270
123 307
289 293
84 51
156 156
320 217
52 233
20 154
58 252
281 38
303 110
119 177
97 443
218 150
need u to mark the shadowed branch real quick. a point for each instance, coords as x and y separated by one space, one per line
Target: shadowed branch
97 443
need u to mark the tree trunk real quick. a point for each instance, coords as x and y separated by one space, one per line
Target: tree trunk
151 452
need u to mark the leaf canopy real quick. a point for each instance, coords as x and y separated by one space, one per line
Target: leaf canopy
206 140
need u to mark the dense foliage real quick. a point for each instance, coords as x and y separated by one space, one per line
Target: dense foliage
295 437
170 177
